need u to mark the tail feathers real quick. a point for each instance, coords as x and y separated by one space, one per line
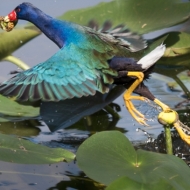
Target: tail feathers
125 37
105 27
151 58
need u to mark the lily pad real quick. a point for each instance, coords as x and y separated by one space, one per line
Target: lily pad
174 61
9 107
140 16
21 151
107 156
178 44
10 41
125 183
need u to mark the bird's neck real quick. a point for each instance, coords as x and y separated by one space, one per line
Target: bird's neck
48 25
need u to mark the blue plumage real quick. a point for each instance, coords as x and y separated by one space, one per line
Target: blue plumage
80 75
81 66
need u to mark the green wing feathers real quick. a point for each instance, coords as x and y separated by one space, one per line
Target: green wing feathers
61 77
79 69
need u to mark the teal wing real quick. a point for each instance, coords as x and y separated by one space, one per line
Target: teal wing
71 72
79 69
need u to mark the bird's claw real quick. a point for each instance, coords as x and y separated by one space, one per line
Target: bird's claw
142 121
138 116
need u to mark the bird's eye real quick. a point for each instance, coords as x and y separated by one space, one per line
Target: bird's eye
17 10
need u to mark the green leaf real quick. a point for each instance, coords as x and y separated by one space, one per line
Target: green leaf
141 16
175 61
21 151
178 44
106 156
10 41
125 183
11 108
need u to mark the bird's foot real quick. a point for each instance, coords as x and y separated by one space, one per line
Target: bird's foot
138 116
142 121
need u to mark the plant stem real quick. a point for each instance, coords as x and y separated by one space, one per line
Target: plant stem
111 111
169 148
182 85
17 62
88 120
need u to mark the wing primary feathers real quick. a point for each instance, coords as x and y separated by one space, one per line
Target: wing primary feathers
13 90
106 26
76 70
56 92
130 40
60 90
44 93
48 92
36 95
41 90
24 93
6 89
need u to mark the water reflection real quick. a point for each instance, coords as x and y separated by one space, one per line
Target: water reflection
65 113
172 72
79 183
26 128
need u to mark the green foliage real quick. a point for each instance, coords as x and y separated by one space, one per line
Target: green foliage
10 108
178 44
10 41
107 156
183 60
17 150
142 16
125 183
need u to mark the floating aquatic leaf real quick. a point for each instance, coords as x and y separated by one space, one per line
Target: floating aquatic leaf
9 107
178 44
141 16
21 151
107 156
125 183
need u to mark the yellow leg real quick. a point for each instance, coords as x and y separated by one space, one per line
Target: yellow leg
133 107
162 105
139 117
182 134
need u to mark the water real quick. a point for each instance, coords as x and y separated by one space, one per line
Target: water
67 175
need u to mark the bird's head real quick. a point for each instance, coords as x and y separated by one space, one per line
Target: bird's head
20 12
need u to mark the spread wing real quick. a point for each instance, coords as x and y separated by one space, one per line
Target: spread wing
71 72
79 69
